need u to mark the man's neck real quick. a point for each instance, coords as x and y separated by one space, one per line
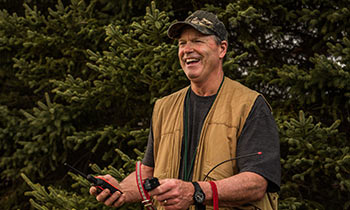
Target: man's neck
209 87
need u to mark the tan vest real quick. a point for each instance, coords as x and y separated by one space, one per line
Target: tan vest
221 129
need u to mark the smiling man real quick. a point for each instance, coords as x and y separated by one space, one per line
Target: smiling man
201 59
210 122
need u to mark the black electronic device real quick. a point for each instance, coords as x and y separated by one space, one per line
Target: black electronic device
99 182
150 183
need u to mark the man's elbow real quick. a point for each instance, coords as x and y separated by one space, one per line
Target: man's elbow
260 190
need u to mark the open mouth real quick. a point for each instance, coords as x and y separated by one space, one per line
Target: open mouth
190 61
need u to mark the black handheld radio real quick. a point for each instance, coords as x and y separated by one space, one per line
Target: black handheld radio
151 183
99 182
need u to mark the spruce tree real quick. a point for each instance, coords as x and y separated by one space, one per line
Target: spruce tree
79 79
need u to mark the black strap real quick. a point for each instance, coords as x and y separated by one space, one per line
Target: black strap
200 207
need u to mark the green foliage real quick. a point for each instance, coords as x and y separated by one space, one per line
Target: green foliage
53 198
314 155
78 80
296 54
48 126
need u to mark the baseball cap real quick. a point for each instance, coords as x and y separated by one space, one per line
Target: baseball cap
203 21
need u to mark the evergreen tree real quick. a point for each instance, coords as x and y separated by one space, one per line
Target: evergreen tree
79 79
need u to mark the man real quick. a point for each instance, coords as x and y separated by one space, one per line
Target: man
197 128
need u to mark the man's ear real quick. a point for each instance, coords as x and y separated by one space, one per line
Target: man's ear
223 48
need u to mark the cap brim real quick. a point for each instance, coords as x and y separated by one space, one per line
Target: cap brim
175 29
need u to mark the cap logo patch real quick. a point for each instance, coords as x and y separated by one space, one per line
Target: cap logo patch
202 22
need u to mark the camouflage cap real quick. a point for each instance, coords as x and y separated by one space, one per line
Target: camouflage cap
204 22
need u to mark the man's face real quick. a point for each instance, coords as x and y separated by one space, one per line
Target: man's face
200 56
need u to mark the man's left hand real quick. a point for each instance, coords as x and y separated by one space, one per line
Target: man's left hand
174 194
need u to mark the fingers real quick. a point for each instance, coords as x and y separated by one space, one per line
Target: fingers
116 199
165 192
119 200
165 186
93 191
104 195
173 194
168 202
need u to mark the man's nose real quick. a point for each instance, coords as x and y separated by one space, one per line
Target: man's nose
188 48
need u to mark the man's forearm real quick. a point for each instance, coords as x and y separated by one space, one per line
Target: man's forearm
240 189
129 186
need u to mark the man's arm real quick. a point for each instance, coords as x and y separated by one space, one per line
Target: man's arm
236 190
128 186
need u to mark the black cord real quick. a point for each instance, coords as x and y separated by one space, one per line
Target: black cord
235 158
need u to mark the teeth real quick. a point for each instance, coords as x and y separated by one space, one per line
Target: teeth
189 60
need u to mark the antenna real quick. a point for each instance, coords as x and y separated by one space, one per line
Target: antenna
98 182
76 170
235 158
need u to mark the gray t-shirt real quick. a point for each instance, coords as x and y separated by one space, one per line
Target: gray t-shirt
259 134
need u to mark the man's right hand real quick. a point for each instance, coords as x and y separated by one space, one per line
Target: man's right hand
115 200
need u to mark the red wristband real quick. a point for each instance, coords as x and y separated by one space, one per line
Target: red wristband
214 189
